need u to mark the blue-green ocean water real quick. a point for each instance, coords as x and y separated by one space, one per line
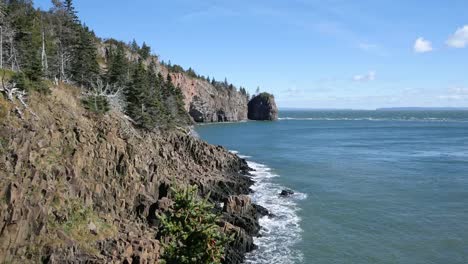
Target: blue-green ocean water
371 186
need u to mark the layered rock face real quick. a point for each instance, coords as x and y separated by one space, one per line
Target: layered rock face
203 101
207 103
79 188
263 107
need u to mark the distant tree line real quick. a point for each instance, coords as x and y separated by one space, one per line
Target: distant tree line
174 68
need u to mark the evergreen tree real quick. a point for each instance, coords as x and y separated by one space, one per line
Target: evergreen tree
26 42
190 230
136 95
72 14
134 46
118 66
67 27
85 68
144 51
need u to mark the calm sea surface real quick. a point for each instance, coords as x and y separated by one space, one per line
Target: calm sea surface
371 186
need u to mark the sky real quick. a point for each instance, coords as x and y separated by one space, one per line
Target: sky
361 54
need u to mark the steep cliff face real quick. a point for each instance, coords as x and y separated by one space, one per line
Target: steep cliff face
207 103
263 107
204 101
79 188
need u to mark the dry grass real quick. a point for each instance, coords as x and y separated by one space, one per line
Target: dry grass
74 229
5 108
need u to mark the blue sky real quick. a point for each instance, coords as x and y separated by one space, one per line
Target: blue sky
309 53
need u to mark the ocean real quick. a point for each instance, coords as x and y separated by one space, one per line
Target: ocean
370 186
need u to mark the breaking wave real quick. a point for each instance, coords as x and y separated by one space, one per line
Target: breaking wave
282 231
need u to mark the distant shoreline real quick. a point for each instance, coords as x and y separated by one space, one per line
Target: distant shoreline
380 109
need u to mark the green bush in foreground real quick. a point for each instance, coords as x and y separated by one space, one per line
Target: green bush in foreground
190 233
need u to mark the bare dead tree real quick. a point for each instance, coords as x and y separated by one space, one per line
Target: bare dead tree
45 65
112 93
15 94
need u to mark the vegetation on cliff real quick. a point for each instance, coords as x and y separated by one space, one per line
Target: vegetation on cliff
83 172
191 231
38 46
77 187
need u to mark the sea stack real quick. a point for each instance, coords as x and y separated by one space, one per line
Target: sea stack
263 107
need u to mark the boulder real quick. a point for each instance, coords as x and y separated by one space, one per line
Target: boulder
263 107
286 193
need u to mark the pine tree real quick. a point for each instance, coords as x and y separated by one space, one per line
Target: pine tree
118 66
85 68
134 46
144 51
27 42
136 95
66 26
190 230
72 14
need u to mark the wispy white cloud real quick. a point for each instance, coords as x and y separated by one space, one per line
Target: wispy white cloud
459 39
370 76
292 91
455 93
422 46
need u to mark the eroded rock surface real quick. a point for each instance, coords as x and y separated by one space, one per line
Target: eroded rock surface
207 103
79 188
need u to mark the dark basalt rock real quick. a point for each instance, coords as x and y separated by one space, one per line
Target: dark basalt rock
263 107
241 218
286 193
262 211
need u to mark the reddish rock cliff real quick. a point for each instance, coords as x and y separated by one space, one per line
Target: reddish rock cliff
207 103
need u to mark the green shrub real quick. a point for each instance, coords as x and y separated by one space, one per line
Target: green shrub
24 83
96 104
190 233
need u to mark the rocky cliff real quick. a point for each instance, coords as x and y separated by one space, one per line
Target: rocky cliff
204 101
263 107
208 103
81 188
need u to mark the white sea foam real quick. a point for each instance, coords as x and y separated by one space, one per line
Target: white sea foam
239 155
281 232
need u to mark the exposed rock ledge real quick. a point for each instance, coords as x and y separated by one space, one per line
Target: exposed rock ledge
76 188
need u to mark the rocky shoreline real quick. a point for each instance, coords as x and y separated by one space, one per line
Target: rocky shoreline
79 188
